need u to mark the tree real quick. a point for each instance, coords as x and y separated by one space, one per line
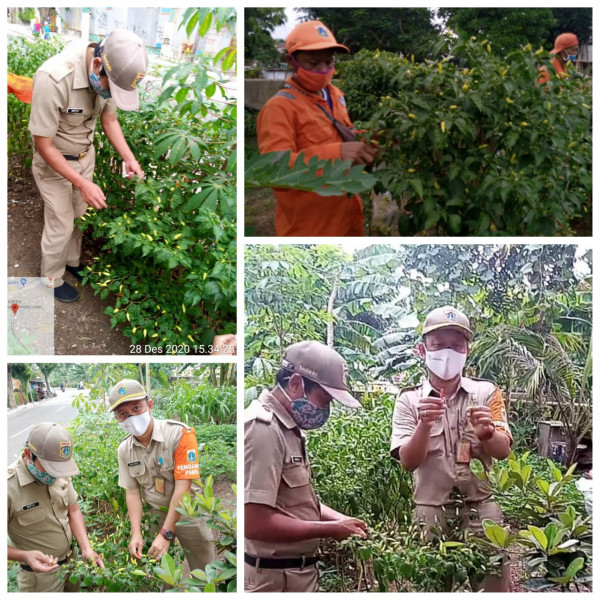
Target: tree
572 20
507 29
406 30
259 46
46 369
23 373
11 388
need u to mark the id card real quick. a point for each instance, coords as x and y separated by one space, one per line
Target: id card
463 453
159 485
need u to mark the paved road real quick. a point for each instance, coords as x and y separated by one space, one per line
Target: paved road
20 422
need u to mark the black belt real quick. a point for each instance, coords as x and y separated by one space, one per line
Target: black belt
28 568
279 563
75 156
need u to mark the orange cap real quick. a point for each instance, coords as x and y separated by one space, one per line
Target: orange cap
564 41
312 35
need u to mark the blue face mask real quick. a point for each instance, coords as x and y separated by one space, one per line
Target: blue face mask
305 413
97 84
41 476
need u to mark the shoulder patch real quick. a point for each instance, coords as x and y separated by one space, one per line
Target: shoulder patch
284 94
173 422
409 389
257 411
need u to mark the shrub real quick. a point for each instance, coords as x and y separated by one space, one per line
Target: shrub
199 403
352 468
472 145
24 57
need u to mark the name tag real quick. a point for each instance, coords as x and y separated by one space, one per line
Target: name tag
133 464
74 111
31 506
296 459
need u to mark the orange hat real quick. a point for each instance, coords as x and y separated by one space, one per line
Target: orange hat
564 41
312 35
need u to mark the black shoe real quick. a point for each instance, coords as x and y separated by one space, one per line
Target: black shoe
75 272
66 293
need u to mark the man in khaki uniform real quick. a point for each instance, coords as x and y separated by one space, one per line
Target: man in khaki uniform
439 425
284 519
69 91
157 464
43 514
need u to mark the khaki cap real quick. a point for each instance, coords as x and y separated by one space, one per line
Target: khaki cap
312 35
447 316
125 61
53 446
126 390
324 366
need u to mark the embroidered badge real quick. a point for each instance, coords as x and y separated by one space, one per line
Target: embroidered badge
451 316
64 450
191 456
121 391
321 31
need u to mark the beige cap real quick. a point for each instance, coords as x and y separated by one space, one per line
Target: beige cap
126 390
324 366
448 316
125 61
53 446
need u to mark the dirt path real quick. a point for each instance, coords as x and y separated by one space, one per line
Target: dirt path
80 327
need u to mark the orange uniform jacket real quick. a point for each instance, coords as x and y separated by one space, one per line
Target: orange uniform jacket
21 87
544 76
291 120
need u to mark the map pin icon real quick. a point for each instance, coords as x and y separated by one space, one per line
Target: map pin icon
14 307
23 281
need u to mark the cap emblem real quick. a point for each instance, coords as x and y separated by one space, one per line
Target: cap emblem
64 450
121 391
137 79
322 31
451 316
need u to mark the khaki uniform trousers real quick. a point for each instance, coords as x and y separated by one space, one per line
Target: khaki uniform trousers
196 539
281 580
61 241
471 515
44 582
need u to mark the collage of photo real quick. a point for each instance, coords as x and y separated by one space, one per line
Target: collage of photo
412 366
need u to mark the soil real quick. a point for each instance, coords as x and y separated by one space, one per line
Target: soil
80 327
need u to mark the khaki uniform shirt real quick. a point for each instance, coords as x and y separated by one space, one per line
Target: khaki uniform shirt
64 106
152 468
436 477
277 473
38 513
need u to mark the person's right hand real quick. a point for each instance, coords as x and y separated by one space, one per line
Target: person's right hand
93 195
41 563
359 153
136 546
344 528
431 410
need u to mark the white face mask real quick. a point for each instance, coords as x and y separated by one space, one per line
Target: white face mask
446 363
137 424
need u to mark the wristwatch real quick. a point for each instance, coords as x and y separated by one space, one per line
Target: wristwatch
167 534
